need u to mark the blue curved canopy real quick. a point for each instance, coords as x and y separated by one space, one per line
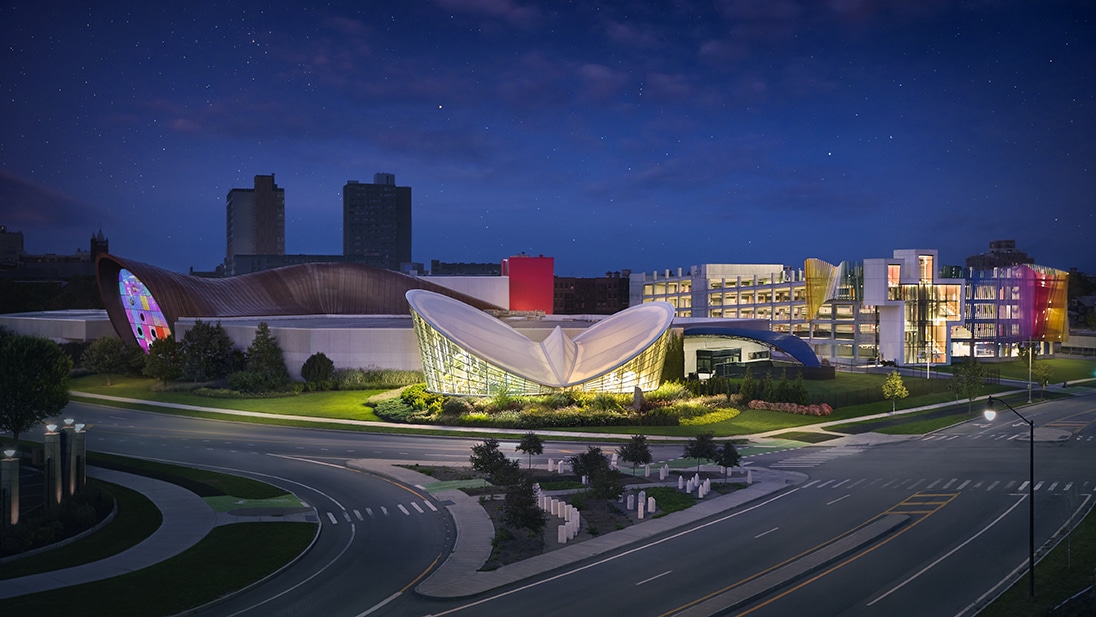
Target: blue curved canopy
789 344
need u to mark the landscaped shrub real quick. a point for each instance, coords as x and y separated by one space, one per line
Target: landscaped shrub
807 410
668 392
368 379
719 415
318 372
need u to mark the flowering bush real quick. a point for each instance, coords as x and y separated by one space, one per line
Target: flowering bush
806 410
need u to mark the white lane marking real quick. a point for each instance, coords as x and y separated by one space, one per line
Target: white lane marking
949 553
369 511
615 557
837 500
995 483
334 521
962 486
384 510
403 509
765 533
359 515
416 506
647 580
430 505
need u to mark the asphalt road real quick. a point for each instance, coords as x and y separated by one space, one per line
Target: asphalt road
962 490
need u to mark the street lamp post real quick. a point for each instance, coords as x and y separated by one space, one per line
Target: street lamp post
1030 354
990 414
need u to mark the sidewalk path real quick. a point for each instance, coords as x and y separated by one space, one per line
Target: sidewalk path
187 519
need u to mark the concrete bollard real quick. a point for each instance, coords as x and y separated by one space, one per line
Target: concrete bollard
651 505
680 483
559 467
561 534
551 465
662 474
749 476
639 511
631 501
647 471
642 497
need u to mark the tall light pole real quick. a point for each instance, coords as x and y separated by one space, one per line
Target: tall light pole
1031 354
990 414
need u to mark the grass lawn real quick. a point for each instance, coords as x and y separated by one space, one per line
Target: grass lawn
229 558
136 519
1062 369
1068 569
340 404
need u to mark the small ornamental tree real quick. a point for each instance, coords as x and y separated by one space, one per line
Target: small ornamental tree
107 355
1041 373
488 460
531 444
520 507
165 360
636 452
701 447
318 372
968 380
727 456
34 382
894 389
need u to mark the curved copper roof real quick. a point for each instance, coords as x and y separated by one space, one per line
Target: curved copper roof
305 289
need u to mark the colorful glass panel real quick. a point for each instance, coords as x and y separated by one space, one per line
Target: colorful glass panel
146 320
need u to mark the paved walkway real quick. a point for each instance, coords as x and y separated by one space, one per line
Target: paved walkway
187 519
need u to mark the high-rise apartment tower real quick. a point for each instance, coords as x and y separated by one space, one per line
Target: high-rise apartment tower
256 219
377 221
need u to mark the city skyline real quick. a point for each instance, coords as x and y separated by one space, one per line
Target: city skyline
640 136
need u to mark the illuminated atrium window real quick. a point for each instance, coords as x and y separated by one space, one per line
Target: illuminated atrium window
145 317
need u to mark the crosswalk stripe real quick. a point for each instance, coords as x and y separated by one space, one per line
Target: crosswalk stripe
384 510
416 506
334 521
431 506
403 509
358 515
369 511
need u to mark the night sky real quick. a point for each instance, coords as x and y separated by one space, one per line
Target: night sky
643 136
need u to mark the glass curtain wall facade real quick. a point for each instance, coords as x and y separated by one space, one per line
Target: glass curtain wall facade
1010 305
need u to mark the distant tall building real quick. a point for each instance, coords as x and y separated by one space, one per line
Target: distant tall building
255 219
11 247
377 222
1002 253
592 296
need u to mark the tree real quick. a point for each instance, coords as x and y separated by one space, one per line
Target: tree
520 507
34 382
265 364
1042 372
727 456
207 352
894 389
107 355
531 444
747 391
165 360
636 452
605 483
318 372
701 447
487 459
968 380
